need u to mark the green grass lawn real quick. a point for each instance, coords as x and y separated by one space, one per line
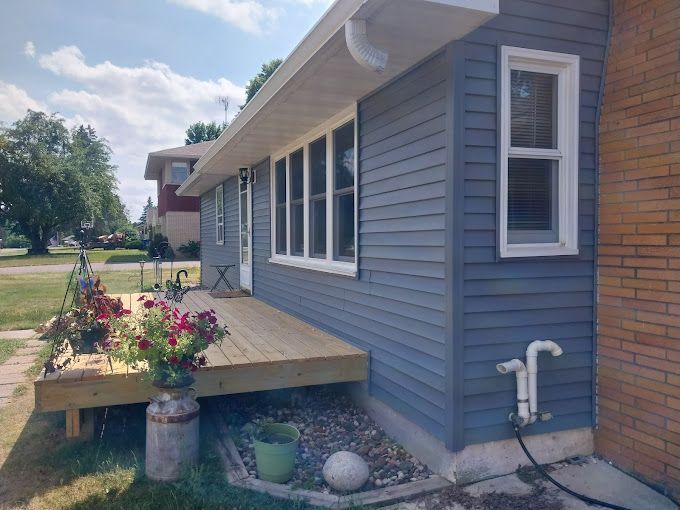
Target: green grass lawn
30 299
39 469
8 348
68 256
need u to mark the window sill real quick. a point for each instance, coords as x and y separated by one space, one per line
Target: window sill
536 250
333 267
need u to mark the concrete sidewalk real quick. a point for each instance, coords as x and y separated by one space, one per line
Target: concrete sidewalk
96 266
593 477
13 371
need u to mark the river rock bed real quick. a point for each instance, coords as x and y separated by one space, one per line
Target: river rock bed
328 422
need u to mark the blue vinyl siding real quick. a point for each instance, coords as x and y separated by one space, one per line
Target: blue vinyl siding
508 303
395 307
226 253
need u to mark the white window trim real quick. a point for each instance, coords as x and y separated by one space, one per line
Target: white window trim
327 265
219 220
567 69
171 180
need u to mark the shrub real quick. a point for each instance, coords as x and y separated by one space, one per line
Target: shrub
191 249
16 241
133 245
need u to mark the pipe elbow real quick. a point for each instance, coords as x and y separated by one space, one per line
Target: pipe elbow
366 55
543 345
514 365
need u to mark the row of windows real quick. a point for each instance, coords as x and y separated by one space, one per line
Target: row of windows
314 192
313 196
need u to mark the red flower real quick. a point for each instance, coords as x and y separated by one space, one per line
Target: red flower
212 319
141 298
185 364
173 360
172 341
102 316
144 344
125 311
148 303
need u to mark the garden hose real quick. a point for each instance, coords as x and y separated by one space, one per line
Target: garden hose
540 469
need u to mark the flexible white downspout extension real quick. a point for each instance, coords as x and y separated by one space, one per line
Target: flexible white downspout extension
515 365
364 52
532 369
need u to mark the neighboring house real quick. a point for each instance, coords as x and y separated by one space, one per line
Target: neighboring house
176 217
439 213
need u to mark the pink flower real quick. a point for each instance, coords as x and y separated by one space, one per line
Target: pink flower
125 311
172 341
212 319
148 303
144 344
102 316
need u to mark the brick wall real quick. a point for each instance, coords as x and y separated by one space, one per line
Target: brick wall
639 245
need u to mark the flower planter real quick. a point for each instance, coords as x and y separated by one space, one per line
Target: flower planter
275 452
89 339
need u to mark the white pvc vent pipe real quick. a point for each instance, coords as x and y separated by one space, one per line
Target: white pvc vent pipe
364 52
527 379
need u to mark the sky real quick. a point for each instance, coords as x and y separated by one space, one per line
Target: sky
140 71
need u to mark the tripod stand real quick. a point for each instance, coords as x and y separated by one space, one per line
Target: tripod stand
85 284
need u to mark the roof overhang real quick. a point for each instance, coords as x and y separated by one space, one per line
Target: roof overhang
320 78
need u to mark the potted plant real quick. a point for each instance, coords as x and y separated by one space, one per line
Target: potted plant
166 346
275 448
79 330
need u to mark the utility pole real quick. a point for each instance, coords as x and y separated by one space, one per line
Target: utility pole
223 100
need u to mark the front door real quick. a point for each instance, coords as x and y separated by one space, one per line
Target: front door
246 238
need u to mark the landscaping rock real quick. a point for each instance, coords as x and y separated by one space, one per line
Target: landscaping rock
345 471
329 422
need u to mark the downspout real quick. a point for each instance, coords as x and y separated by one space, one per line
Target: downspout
532 371
366 55
515 365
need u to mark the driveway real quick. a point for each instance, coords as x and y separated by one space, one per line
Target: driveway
96 266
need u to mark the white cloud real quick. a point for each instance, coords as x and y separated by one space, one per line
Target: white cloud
29 49
137 109
14 102
248 15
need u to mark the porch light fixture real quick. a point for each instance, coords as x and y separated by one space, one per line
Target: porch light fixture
244 174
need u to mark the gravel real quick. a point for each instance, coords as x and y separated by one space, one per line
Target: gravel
328 422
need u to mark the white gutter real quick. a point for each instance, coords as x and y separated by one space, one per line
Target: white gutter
527 379
367 55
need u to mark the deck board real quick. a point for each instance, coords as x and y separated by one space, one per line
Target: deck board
266 349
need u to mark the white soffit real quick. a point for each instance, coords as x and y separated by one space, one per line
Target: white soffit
320 78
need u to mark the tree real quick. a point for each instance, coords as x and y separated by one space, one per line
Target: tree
51 179
260 78
203 132
145 211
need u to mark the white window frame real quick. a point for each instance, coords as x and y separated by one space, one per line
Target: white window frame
186 167
344 268
219 218
567 69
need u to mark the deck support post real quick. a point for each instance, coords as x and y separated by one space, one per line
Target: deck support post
80 424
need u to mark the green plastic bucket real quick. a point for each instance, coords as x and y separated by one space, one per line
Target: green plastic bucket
275 462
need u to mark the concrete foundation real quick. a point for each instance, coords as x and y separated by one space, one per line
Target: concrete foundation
475 462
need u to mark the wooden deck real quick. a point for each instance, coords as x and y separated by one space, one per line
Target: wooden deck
267 349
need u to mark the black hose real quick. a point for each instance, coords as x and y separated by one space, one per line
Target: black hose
540 469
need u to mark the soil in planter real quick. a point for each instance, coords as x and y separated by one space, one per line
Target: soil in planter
328 422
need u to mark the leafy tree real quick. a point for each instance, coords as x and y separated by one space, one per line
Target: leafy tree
145 211
51 179
260 78
203 132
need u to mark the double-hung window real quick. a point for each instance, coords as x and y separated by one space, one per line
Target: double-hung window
539 153
314 200
219 214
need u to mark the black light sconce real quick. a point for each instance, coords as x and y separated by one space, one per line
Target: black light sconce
244 174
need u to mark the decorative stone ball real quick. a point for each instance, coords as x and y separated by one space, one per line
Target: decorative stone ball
345 471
